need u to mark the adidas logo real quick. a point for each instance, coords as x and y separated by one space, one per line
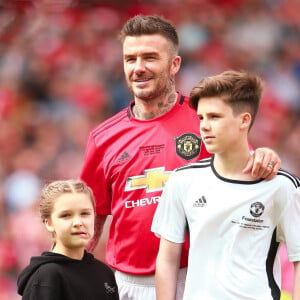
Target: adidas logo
200 202
124 157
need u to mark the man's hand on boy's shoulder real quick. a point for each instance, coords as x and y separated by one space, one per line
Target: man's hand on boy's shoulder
263 163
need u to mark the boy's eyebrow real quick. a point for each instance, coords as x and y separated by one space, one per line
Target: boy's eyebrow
211 113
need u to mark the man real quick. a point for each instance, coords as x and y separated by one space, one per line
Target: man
130 156
235 222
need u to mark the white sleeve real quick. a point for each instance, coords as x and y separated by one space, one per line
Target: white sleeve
289 226
169 220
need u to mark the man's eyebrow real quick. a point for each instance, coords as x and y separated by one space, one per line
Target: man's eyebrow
153 53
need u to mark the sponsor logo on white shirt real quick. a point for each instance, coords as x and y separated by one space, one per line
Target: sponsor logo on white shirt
201 202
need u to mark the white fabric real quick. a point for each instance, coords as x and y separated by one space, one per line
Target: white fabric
136 287
231 224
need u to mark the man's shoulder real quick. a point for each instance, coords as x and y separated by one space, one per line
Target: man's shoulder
114 122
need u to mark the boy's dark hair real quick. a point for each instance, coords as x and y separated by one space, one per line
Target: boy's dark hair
150 24
241 90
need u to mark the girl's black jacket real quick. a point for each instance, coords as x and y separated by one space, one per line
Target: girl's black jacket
53 276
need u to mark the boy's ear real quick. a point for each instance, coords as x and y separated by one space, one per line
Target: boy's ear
245 120
49 225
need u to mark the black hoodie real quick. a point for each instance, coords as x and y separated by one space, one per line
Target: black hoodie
53 276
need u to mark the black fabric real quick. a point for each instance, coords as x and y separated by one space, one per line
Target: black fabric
275 290
53 276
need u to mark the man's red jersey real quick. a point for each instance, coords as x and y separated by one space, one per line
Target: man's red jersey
127 164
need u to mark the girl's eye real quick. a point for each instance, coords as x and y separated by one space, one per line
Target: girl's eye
65 215
86 213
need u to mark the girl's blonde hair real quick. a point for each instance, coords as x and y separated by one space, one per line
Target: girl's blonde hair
55 189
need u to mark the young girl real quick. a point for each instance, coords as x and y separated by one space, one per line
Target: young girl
68 272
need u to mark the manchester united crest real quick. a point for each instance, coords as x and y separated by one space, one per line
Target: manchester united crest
188 146
256 209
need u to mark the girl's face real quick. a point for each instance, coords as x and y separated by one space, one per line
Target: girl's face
72 224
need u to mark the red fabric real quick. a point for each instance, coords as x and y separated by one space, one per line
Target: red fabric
127 163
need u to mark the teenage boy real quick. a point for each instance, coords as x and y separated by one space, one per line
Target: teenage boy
235 222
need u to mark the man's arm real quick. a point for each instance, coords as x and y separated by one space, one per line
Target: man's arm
296 289
167 266
263 163
99 223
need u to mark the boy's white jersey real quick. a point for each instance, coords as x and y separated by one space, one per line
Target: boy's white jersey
235 229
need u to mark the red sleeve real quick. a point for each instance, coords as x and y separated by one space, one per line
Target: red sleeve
93 174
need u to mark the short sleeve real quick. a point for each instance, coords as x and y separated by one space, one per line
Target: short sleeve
169 219
93 175
289 225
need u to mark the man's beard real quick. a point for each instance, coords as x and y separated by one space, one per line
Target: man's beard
149 94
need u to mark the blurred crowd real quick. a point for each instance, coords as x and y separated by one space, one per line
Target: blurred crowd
61 74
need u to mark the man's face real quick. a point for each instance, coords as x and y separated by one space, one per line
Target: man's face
149 65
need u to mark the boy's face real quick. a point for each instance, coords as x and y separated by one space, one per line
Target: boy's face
220 129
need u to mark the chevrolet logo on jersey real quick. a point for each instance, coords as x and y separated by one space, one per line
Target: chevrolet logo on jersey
153 180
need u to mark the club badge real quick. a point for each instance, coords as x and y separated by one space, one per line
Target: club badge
257 209
188 146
